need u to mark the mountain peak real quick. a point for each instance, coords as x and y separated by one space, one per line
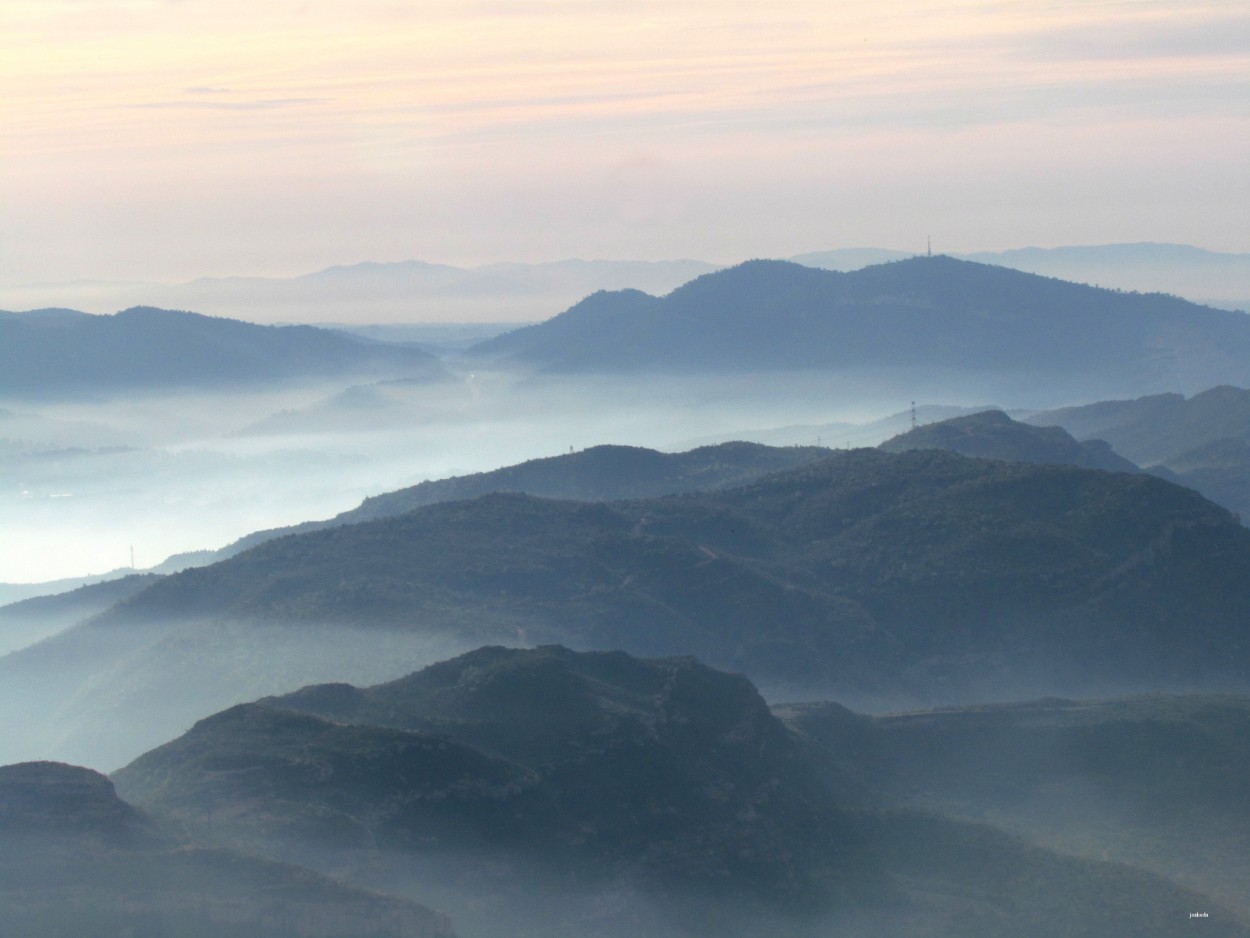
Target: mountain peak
991 434
919 312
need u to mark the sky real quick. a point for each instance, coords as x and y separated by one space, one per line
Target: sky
170 139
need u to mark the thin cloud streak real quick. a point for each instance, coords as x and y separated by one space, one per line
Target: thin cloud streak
458 111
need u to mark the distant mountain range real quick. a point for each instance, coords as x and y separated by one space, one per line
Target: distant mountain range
524 786
1202 441
929 316
414 291
871 576
1210 277
58 352
932 313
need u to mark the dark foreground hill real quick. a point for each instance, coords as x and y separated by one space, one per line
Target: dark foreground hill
56 353
921 313
545 792
77 860
872 577
991 434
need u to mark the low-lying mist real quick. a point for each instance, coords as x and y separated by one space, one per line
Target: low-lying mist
85 483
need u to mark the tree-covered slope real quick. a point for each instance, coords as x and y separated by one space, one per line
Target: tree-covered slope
663 783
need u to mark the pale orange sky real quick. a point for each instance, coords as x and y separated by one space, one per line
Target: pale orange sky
168 139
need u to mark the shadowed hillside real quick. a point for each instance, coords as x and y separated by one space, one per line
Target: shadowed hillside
528 785
1156 781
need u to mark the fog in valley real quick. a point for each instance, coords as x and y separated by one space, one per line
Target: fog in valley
85 481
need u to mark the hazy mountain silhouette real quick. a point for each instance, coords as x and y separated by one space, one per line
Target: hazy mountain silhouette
1202 441
519 780
1203 276
60 352
412 290
29 620
991 434
384 292
598 473
926 312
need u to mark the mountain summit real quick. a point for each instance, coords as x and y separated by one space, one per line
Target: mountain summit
930 312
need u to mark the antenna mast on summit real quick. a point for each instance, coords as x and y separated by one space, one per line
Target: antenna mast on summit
928 245
913 415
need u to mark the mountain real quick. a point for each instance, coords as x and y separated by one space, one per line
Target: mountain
873 577
528 786
1213 277
29 620
598 473
991 434
416 291
922 313
1204 276
58 353
1157 782
1159 428
1202 441
77 860
380 292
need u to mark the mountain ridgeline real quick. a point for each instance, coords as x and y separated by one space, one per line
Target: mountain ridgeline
57 353
925 312
1202 441
992 434
866 563
598 473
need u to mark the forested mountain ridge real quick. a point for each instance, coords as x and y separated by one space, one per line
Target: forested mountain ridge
924 312
597 473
